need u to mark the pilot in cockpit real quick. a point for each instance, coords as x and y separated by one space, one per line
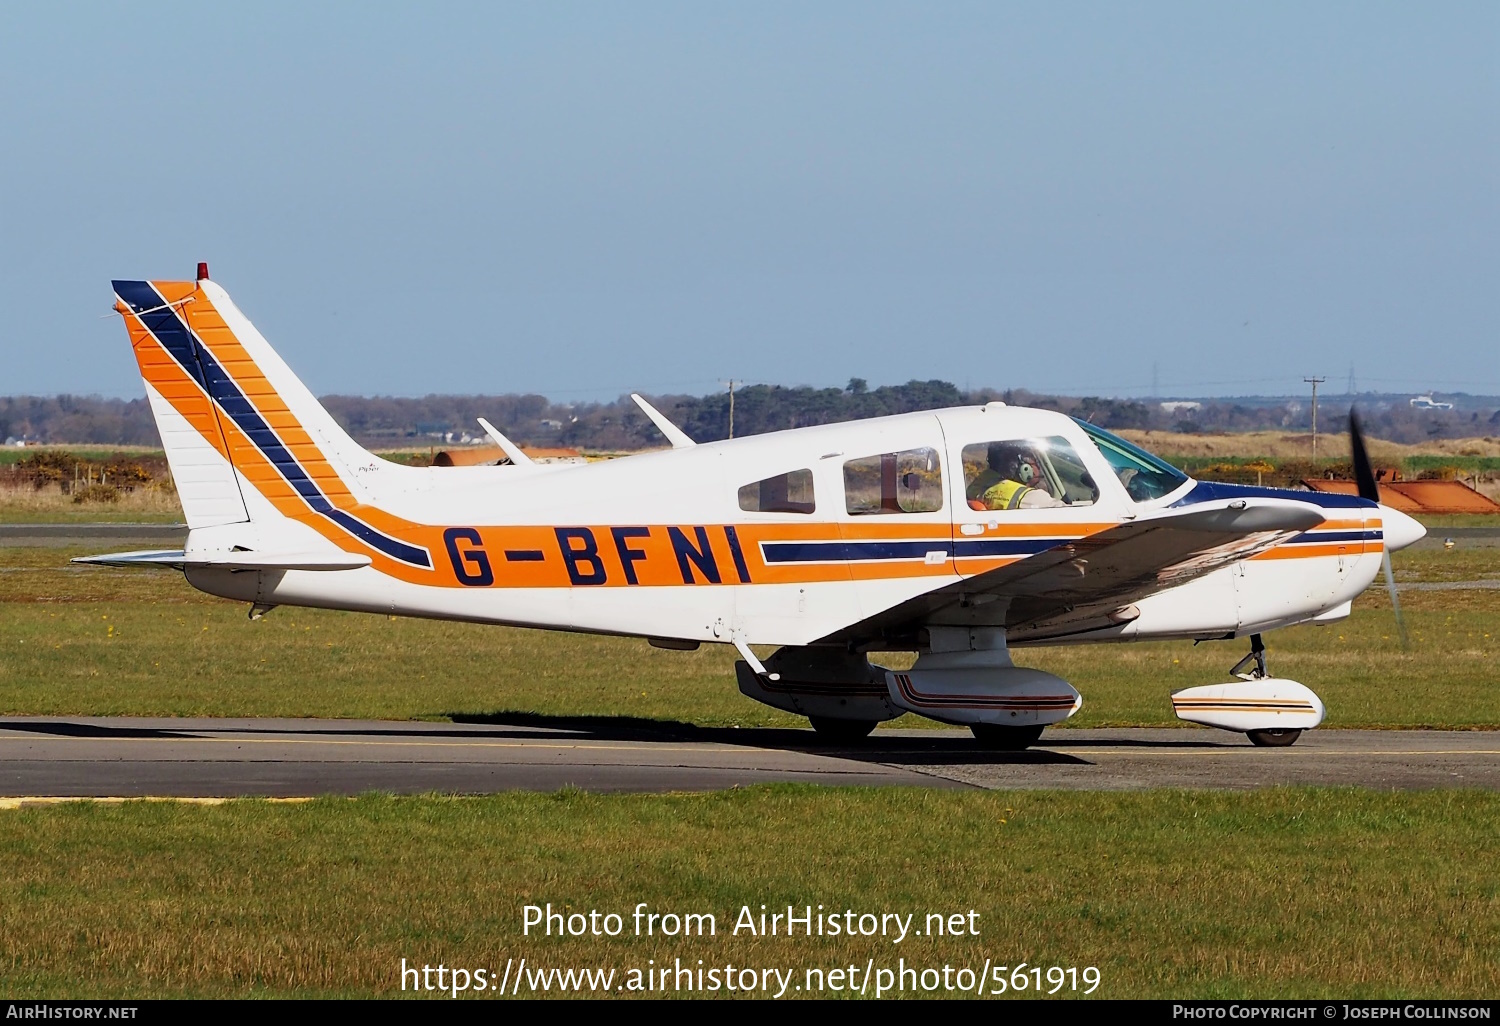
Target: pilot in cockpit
1013 479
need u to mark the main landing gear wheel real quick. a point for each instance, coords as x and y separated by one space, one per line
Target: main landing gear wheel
1005 739
1273 738
840 731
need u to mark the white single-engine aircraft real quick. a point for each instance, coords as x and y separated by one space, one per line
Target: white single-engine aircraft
955 534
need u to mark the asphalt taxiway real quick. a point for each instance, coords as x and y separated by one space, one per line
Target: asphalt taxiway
130 757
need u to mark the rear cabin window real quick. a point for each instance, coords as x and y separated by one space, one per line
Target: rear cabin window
791 492
894 482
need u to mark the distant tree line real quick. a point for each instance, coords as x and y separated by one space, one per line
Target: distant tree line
439 420
80 419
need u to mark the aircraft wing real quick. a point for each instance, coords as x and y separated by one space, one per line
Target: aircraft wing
1090 584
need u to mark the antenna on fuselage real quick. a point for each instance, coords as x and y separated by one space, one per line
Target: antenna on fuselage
511 449
674 433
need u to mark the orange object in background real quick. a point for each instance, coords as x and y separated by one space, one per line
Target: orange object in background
1446 497
1388 495
487 455
1418 496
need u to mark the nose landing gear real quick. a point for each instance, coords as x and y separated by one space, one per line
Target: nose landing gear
1257 655
1272 738
1271 711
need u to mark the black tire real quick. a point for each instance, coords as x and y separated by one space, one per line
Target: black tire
841 731
1006 739
1273 738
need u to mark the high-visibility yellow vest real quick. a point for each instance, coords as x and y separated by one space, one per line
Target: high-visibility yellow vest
1005 495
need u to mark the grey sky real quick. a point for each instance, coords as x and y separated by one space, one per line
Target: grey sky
584 199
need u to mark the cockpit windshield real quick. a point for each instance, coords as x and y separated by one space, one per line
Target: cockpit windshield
1144 476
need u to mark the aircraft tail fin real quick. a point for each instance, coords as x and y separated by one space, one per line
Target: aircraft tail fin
244 437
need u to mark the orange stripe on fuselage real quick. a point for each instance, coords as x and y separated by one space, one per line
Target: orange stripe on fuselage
1311 551
1347 525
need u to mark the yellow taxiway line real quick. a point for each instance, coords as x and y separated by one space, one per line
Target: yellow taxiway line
32 800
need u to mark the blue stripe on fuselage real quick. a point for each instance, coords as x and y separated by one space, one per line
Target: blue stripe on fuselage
875 551
1326 537
1006 546
367 534
844 552
1208 491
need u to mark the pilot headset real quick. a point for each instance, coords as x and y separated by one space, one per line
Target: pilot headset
1025 469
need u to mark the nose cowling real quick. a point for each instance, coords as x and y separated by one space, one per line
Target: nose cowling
1400 529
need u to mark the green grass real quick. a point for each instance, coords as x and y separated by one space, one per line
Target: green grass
1463 563
10 455
1411 467
1435 522
1276 893
99 641
1465 465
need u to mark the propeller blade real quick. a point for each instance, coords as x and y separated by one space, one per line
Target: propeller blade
1364 474
1390 584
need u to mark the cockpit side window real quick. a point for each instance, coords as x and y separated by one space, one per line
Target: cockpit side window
791 492
1026 473
910 481
1144 476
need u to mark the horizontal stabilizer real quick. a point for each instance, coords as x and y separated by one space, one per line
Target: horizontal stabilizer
179 560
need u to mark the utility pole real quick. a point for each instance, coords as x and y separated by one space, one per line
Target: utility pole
731 407
1315 382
